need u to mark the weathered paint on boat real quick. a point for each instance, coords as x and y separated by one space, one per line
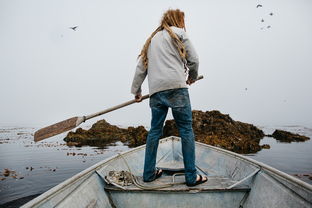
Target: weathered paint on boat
233 181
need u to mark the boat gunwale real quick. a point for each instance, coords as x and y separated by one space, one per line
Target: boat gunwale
100 164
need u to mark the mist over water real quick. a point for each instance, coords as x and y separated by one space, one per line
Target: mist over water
49 72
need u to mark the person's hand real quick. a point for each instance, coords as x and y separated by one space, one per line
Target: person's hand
190 81
138 98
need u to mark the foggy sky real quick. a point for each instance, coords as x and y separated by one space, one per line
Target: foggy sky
49 72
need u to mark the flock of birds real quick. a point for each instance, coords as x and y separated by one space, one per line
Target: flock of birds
74 28
262 20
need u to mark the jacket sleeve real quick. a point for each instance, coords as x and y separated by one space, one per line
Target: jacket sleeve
192 61
139 76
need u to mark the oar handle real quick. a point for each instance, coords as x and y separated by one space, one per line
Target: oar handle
122 105
114 108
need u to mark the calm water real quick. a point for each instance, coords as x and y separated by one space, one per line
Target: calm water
293 158
40 166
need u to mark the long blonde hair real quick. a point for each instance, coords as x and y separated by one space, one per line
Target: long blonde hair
170 18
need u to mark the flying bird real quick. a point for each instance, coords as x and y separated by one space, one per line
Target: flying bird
73 28
259 5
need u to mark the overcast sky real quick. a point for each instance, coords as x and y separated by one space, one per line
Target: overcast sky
49 72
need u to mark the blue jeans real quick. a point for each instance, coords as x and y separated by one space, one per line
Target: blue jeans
179 102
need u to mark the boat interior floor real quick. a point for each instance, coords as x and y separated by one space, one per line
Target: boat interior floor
214 183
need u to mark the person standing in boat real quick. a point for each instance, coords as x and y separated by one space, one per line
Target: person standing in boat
170 62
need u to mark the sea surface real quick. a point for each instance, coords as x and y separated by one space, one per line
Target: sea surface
36 167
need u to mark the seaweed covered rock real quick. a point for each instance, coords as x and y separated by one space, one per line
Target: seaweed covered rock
211 127
215 128
137 136
102 133
285 136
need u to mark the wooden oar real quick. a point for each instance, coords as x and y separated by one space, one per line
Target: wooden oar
73 122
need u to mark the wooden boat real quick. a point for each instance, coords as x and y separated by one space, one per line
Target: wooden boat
233 181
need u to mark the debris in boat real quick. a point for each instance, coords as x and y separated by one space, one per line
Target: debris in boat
285 136
122 178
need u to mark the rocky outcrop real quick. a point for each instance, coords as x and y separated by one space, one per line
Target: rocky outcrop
102 133
217 129
285 136
211 127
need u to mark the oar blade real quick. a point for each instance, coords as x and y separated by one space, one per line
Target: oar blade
57 128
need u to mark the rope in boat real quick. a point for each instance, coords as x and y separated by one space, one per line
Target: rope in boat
135 181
